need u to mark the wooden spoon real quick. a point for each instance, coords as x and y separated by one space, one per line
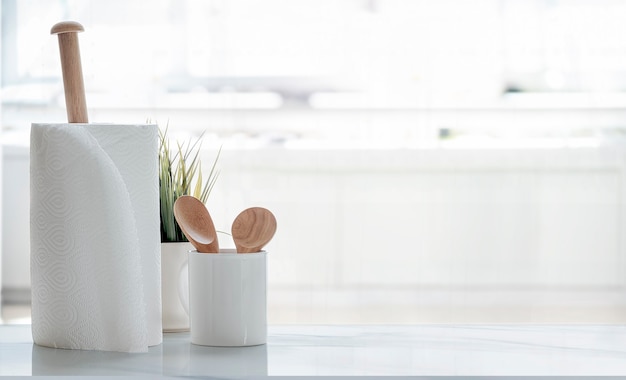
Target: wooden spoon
196 223
252 229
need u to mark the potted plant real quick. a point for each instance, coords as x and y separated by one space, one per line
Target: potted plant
180 173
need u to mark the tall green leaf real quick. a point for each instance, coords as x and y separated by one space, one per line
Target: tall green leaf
180 173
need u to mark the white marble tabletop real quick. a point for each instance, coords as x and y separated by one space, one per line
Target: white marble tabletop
448 350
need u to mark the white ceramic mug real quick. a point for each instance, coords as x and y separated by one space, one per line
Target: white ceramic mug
228 298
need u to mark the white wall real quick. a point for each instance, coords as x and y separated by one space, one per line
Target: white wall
1 186
417 235
1 224
15 219
526 235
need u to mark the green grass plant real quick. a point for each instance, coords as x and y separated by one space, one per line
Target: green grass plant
180 173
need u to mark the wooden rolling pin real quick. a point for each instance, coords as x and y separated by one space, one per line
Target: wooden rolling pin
72 70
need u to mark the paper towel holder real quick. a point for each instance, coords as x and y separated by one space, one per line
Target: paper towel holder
72 70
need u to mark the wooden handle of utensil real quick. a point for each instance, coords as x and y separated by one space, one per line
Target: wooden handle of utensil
72 70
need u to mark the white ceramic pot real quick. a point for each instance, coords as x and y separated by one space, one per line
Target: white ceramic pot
175 286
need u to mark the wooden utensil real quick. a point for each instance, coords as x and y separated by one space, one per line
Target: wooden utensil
72 70
195 221
252 229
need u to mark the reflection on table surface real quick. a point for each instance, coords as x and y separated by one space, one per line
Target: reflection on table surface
176 357
426 350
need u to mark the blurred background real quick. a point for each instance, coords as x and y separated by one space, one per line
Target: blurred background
428 162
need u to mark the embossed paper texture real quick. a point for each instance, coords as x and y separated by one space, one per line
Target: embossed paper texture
95 243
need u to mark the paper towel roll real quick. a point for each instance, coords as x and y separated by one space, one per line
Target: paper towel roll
95 237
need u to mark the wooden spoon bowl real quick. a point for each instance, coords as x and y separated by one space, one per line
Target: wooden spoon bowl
252 229
196 223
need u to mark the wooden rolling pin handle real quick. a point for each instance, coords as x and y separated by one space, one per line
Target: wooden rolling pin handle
72 70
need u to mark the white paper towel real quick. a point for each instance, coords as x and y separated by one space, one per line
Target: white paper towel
95 237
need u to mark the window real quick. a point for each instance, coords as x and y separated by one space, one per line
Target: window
317 55
434 63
